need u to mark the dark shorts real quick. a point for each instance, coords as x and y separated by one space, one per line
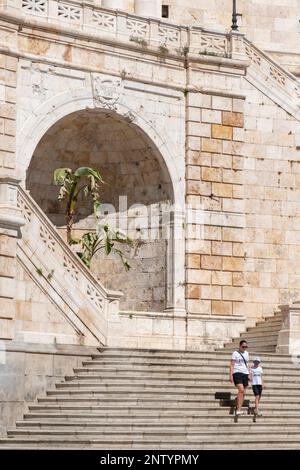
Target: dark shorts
239 378
257 390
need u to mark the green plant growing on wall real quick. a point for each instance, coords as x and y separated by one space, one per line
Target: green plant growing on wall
163 49
211 53
138 40
39 271
87 181
104 239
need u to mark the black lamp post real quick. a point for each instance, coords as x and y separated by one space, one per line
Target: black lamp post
234 26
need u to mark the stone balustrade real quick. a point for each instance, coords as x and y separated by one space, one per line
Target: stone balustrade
122 26
272 73
149 32
84 299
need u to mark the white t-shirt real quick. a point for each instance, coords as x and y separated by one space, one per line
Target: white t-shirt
239 363
256 375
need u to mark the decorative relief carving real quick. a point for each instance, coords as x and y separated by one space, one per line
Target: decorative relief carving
253 55
277 76
47 239
26 212
168 35
104 21
94 297
107 91
137 28
71 268
35 6
130 116
214 44
68 12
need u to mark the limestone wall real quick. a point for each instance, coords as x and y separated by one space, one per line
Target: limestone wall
27 370
242 171
37 319
8 232
272 25
8 83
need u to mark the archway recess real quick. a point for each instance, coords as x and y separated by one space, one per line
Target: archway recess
138 188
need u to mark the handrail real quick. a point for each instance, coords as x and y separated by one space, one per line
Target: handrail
273 71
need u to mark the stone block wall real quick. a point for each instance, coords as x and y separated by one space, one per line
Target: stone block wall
271 25
272 196
27 370
215 242
37 319
8 233
8 84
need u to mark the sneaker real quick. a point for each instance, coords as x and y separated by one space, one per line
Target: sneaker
239 413
259 413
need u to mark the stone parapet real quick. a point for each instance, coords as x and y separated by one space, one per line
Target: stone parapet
27 370
11 221
289 335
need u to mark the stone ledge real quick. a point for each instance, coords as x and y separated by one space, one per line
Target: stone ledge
59 349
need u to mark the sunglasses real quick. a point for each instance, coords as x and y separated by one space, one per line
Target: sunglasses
244 347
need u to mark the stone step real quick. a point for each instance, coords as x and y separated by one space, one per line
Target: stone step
111 412
140 400
26 443
261 346
219 355
152 428
263 328
185 435
276 419
114 411
173 420
256 345
165 371
96 380
224 358
141 395
257 336
171 354
258 332
126 387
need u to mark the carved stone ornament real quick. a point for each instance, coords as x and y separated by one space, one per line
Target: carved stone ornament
107 91
129 116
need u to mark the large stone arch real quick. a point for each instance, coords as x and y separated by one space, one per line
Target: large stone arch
74 101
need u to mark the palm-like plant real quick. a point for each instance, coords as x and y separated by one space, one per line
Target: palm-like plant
88 180
71 186
107 239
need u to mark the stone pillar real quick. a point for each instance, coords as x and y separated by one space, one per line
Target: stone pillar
148 8
8 83
289 336
118 4
10 223
175 263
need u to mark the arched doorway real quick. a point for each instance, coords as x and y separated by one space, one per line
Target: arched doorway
134 171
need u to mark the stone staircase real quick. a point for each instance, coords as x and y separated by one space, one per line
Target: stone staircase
159 399
262 337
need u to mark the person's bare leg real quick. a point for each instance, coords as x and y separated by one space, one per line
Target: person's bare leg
240 396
